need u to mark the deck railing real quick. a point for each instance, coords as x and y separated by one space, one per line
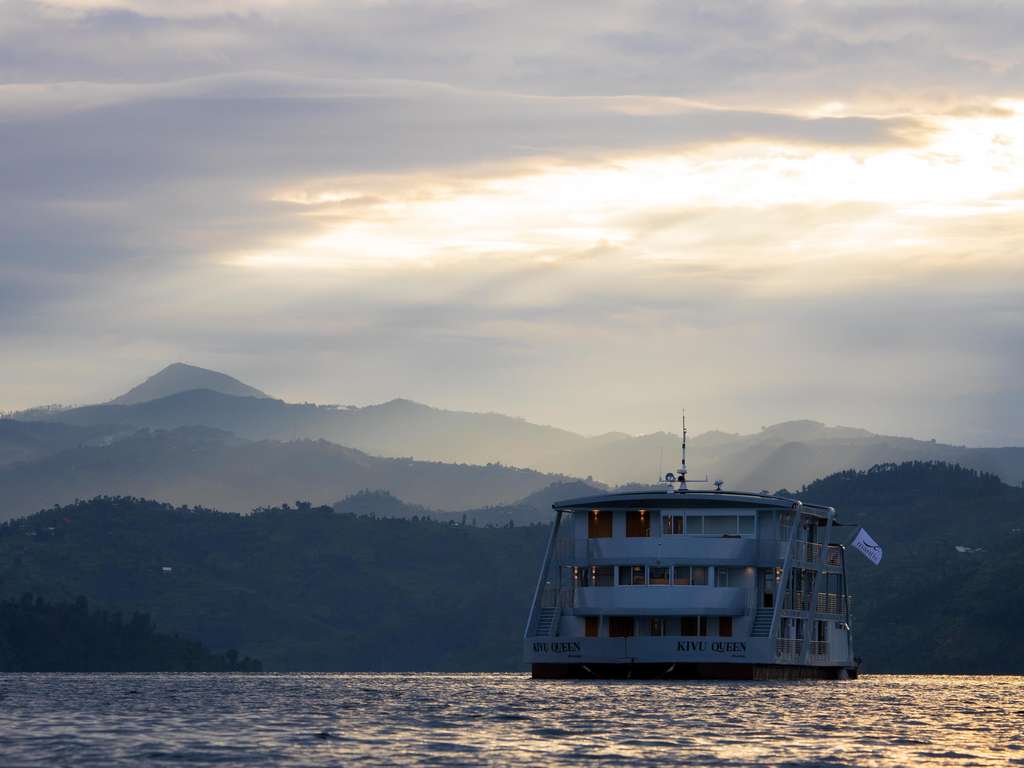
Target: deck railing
831 603
793 648
813 553
565 548
834 555
788 647
556 597
827 602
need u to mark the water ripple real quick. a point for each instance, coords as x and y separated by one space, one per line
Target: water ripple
502 719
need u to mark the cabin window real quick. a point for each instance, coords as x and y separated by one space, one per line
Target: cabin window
722 525
632 575
602 575
620 626
599 524
674 524
695 626
666 524
723 577
725 626
694 524
746 525
657 626
659 574
638 523
690 575
593 626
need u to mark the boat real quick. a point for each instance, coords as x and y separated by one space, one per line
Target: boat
673 582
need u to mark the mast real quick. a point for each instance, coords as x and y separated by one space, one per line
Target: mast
682 465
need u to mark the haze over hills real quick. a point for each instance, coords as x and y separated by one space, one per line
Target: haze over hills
535 508
199 465
790 454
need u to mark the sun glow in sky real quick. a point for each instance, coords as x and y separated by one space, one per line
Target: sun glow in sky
549 209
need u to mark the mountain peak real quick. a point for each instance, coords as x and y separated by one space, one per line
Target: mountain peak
182 377
807 429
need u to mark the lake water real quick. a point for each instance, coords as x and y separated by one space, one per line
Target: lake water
328 719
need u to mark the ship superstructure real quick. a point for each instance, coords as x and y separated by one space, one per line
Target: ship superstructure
691 584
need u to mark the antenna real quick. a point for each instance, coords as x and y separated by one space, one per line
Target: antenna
682 465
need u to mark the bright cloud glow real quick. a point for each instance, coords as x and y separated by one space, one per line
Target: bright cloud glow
968 166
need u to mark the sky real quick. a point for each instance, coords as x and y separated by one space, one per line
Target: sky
586 214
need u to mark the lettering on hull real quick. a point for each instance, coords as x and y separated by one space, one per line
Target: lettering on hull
569 646
731 647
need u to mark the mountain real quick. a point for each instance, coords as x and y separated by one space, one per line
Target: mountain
306 588
789 454
22 441
181 377
192 465
535 508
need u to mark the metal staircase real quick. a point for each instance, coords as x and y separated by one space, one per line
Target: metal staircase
762 622
547 622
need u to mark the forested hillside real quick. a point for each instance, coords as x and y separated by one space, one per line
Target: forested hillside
949 595
38 636
304 587
297 587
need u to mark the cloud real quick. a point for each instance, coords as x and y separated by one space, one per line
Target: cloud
583 214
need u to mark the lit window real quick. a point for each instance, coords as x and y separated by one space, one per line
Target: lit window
681 575
699 576
657 626
638 523
659 574
632 575
599 524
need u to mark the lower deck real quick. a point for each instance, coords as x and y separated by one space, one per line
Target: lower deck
689 671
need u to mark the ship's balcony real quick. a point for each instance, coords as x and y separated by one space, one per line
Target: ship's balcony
789 649
804 554
827 603
709 550
657 600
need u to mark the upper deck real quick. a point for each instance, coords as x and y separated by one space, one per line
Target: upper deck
675 499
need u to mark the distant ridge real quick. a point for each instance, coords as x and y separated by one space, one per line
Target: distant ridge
182 377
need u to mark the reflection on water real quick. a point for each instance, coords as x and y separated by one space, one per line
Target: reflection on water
504 718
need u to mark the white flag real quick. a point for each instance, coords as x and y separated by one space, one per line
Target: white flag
868 547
